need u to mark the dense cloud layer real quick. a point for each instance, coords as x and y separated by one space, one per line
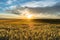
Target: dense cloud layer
40 12
39 8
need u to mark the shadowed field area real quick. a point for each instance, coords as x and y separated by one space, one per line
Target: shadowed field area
24 29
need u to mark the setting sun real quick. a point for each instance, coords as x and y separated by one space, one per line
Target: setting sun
29 16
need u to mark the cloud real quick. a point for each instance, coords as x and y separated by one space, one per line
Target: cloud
46 16
13 7
39 3
0 7
43 12
9 2
1 3
10 7
40 9
38 12
8 16
14 0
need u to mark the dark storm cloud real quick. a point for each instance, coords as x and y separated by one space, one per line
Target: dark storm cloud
46 10
39 12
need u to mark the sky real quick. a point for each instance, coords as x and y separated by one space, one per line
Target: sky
39 8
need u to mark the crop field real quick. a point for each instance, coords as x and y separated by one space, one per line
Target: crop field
29 30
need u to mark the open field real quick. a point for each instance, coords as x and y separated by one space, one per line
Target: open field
24 29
